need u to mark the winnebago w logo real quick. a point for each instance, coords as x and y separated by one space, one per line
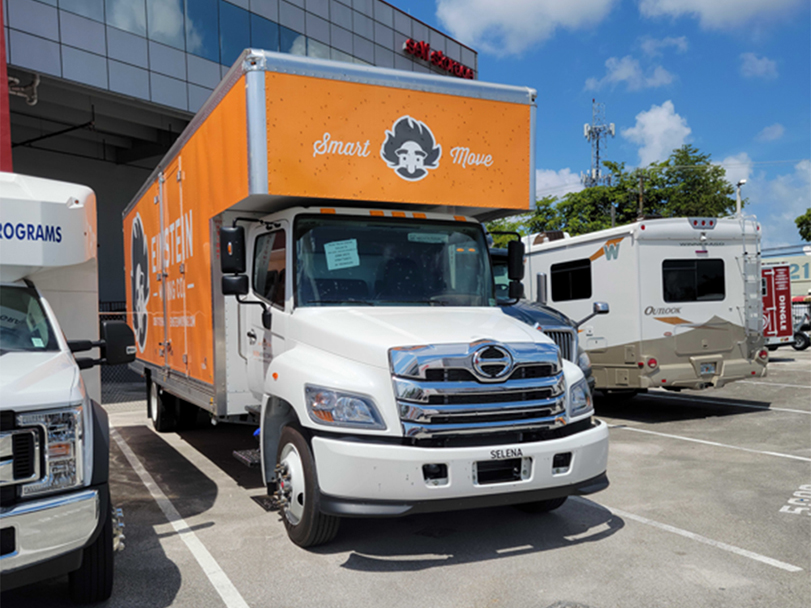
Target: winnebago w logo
139 277
611 250
410 149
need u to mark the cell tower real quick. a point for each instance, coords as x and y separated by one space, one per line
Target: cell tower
594 132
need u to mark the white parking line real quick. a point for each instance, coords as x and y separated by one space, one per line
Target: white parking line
698 538
775 384
663 395
712 443
219 579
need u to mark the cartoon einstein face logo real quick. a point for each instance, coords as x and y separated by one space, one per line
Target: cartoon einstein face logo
410 149
139 276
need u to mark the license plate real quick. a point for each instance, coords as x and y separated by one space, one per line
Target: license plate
707 368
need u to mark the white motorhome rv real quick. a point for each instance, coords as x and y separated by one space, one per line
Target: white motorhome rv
55 512
684 296
366 336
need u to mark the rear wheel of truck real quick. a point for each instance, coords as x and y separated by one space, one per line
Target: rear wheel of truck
161 408
93 581
298 492
542 506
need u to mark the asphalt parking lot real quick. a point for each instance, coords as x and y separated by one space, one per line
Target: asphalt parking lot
704 509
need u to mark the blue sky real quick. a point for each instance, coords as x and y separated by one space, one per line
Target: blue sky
731 77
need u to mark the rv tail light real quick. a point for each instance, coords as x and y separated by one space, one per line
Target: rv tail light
763 354
641 365
642 227
663 380
653 363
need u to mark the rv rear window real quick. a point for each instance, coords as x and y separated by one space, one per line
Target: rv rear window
693 280
571 280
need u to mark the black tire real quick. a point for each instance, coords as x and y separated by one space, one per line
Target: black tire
542 506
311 527
162 408
93 581
772 348
619 395
186 414
801 341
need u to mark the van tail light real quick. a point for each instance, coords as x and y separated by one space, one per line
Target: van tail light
653 363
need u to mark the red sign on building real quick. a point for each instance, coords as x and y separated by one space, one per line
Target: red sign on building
423 50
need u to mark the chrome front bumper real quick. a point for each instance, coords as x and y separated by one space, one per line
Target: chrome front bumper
49 527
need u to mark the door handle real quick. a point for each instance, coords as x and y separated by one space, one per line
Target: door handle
252 337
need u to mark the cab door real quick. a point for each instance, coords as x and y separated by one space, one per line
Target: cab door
270 286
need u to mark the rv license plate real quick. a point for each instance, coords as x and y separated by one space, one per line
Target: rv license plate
707 368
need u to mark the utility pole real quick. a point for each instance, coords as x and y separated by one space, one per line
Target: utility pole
594 132
641 213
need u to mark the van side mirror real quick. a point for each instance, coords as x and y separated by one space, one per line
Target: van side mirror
235 285
117 346
515 260
232 250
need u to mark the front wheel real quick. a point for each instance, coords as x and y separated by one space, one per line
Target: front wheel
542 506
161 408
298 493
801 341
93 581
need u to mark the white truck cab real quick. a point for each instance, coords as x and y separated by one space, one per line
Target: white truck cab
55 512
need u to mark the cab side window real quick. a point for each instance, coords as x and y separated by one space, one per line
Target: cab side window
269 267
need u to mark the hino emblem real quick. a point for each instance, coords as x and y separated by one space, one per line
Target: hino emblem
491 362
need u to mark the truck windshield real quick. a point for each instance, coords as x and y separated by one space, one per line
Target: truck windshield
356 261
23 323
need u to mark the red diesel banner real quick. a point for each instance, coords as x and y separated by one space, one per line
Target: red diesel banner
777 302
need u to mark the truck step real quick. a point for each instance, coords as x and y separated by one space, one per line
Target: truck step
250 458
254 412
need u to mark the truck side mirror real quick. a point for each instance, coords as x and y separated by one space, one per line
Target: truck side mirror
232 250
515 260
119 343
598 308
235 285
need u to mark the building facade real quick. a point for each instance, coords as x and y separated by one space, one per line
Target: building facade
101 88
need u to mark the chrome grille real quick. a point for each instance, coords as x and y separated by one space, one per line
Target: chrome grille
439 393
19 456
565 340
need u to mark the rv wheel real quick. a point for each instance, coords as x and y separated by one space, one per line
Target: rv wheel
161 408
298 493
542 506
801 341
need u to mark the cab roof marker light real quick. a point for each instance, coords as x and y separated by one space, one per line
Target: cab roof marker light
327 210
460 218
376 213
398 214
420 216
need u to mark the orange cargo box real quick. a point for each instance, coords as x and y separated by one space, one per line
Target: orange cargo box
282 130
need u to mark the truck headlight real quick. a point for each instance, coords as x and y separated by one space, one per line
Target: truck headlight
580 399
63 447
584 363
335 408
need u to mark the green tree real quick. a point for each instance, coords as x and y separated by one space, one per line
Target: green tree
804 225
542 218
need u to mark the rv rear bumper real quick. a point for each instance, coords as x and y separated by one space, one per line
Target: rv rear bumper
366 479
701 372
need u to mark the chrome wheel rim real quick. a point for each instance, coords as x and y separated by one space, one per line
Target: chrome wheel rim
291 484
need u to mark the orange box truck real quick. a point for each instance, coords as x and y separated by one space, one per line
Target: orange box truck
341 206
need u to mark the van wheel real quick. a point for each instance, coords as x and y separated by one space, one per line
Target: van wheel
542 506
93 581
772 348
161 408
298 493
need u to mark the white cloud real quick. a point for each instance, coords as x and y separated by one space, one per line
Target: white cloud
718 14
737 167
549 182
771 133
777 202
753 66
658 132
509 27
628 70
654 46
